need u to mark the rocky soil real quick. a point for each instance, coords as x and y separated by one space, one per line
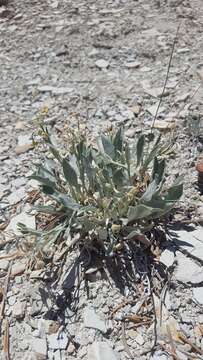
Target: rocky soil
99 64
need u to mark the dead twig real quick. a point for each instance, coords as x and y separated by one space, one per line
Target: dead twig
5 291
187 341
126 347
167 76
6 340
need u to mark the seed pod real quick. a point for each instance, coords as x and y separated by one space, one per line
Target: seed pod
115 228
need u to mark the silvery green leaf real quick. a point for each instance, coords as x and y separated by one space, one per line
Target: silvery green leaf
118 140
108 147
69 173
174 193
140 149
65 200
151 190
138 212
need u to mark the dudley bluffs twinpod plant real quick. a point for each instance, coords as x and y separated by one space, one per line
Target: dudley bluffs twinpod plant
106 195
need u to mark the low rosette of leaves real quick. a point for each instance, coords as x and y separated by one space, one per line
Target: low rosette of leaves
106 195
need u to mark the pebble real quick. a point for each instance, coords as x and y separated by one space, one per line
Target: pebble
198 295
58 341
19 310
167 257
26 219
139 339
92 320
18 268
191 241
132 65
187 270
4 264
12 300
39 346
153 109
102 64
16 196
101 351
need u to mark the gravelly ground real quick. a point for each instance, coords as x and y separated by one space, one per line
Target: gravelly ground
49 56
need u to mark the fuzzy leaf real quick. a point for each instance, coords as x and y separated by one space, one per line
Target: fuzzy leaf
108 147
69 173
118 140
151 190
46 209
43 181
138 212
174 193
65 200
158 170
140 149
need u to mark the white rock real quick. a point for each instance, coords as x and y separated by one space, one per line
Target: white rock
191 241
16 196
155 92
187 270
39 346
159 355
153 109
57 355
55 90
4 264
198 295
26 219
132 65
102 64
19 310
167 257
24 140
58 341
92 320
139 339
101 351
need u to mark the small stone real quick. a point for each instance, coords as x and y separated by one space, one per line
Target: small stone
58 341
136 109
159 355
101 351
55 90
139 339
102 64
92 320
11 300
71 348
4 264
36 308
57 355
16 196
130 133
39 346
19 310
191 241
164 125
26 219
167 257
188 271
23 345
21 149
198 295
182 97
153 109
155 92
18 268
20 125
133 65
